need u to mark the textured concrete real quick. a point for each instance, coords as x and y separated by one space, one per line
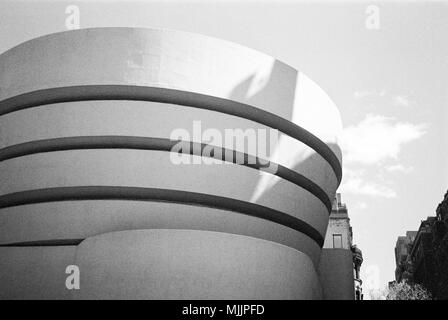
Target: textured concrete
35 272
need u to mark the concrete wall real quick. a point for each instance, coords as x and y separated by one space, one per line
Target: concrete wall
336 274
35 272
85 118
160 264
185 264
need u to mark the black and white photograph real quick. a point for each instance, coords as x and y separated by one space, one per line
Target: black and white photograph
222 154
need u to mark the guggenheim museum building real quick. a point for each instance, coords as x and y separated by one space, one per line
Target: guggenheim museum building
158 164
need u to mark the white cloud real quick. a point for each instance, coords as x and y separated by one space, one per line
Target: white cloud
371 144
361 94
377 138
361 187
401 101
355 182
360 205
399 168
368 93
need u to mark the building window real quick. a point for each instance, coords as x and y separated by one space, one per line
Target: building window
337 241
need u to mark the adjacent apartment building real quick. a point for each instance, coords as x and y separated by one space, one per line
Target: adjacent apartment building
422 256
339 243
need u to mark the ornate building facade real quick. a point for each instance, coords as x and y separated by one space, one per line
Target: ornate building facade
422 256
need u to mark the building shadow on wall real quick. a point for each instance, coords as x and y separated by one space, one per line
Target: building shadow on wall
272 87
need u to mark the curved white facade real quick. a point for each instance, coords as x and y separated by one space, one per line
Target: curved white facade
87 120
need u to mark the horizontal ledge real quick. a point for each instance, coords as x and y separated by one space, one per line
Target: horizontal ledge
162 144
172 96
158 195
44 243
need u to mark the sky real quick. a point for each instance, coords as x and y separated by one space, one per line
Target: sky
385 67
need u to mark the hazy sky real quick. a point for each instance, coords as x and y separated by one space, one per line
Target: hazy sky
390 84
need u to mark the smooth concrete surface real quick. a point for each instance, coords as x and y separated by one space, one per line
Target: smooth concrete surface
168 59
160 264
35 272
336 274
83 219
179 78
179 61
154 169
185 264
149 119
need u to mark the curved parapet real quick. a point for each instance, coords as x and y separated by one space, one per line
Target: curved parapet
119 129
200 265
